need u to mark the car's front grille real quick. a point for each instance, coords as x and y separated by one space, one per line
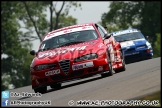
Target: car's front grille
133 56
52 65
77 73
65 65
141 46
73 74
131 49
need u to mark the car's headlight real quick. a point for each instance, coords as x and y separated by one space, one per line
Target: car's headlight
148 44
142 46
41 67
45 66
86 57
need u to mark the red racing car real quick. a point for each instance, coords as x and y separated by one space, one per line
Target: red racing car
72 53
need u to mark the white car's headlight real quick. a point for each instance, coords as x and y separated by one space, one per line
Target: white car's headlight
148 44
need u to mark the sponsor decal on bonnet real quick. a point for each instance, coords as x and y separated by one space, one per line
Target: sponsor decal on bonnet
127 43
62 51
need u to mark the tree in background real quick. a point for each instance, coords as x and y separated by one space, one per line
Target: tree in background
15 58
34 16
22 22
157 45
145 16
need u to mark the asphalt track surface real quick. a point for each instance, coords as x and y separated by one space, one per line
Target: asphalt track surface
139 79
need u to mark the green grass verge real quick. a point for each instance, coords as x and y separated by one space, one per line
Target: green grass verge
152 100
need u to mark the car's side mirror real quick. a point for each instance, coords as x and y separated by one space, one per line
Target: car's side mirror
147 37
32 52
106 36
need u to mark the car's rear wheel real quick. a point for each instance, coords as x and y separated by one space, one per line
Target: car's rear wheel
110 68
56 86
123 63
110 73
41 90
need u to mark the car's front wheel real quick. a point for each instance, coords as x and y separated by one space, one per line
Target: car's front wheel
110 73
56 86
123 63
41 90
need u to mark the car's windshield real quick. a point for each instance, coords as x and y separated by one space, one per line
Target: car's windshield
128 36
68 39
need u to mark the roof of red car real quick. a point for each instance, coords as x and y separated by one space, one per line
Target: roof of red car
70 27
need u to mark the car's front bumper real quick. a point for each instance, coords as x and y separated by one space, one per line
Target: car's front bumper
39 79
138 55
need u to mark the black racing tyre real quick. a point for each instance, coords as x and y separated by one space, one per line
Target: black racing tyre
123 62
56 86
110 68
110 73
41 90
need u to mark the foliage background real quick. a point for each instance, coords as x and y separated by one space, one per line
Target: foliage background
25 21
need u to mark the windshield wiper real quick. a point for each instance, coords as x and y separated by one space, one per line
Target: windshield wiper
71 43
136 38
123 40
61 45
54 47
128 40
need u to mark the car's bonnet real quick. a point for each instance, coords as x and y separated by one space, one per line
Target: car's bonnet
67 52
136 42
